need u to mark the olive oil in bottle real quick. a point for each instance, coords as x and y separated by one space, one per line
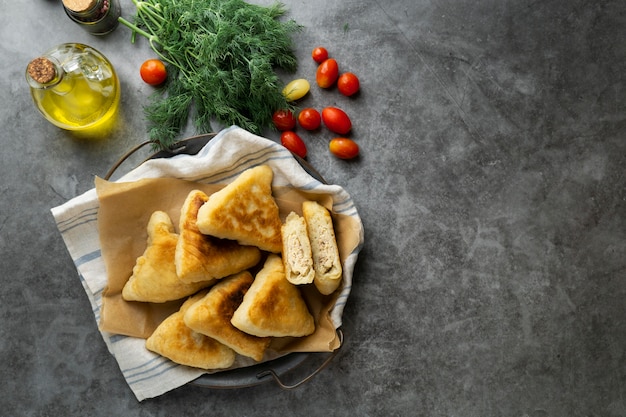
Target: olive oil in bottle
74 86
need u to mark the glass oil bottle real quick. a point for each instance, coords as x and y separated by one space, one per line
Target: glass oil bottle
74 87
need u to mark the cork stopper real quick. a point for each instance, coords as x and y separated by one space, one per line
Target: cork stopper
79 5
42 70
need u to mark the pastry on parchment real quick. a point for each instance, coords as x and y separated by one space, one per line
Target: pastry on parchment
297 255
273 306
211 316
245 211
200 257
326 260
154 276
177 342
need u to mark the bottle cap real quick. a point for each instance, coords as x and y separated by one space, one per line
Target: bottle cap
42 70
79 5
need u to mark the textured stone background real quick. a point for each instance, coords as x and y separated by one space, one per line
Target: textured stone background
491 186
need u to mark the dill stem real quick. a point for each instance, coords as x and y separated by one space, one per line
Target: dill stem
135 29
190 63
150 11
153 40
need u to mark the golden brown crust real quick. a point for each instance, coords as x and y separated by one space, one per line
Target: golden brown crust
211 316
177 342
201 257
245 211
154 277
273 306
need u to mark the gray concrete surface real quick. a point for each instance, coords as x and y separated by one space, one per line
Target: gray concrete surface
491 186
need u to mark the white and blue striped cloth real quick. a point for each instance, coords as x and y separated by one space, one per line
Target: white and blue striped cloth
231 152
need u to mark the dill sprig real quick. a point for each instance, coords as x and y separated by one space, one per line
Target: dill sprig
221 57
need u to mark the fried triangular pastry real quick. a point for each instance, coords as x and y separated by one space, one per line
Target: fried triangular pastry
244 211
177 342
201 257
154 277
273 306
211 316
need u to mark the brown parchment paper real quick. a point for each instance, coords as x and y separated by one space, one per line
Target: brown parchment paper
124 212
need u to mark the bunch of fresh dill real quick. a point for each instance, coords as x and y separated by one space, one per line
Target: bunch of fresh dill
221 57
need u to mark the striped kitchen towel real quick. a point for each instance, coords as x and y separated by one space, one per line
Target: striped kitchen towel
232 151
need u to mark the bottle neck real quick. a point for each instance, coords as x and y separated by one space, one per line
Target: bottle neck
44 72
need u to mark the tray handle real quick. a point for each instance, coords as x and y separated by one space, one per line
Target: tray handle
124 158
308 377
189 146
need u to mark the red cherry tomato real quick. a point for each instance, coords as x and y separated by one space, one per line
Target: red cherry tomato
294 143
343 148
348 84
309 118
319 54
153 72
336 120
327 73
284 120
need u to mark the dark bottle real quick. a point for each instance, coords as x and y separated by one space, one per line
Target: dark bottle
97 17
